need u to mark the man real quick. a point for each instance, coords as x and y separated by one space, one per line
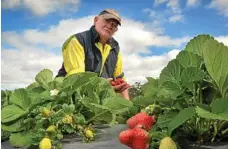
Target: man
95 50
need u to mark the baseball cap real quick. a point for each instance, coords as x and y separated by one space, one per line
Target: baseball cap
110 14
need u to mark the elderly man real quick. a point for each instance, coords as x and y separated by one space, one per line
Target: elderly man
95 50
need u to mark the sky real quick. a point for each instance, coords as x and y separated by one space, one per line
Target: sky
152 33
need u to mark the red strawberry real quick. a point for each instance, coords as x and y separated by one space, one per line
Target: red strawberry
125 137
133 121
141 120
140 139
147 122
113 83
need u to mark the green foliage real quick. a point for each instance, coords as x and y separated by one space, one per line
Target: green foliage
180 119
192 86
216 61
21 139
68 105
11 113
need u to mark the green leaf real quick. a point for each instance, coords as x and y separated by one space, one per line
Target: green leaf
142 101
192 74
92 95
32 86
102 113
196 44
5 94
105 94
181 118
20 98
39 97
173 88
164 120
189 59
216 61
74 81
209 115
54 85
80 119
151 88
219 106
69 109
117 104
171 72
59 79
12 112
44 77
14 127
21 139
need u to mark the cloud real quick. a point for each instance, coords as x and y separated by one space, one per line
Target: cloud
221 6
31 50
19 67
192 3
176 18
223 39
9 4
137 68
158 2
174 6
42 7
173 12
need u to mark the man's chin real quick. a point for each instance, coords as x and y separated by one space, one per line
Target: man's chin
106 35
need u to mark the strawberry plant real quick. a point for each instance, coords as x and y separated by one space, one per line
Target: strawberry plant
190 97
50 108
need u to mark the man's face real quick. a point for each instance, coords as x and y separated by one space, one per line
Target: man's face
105 27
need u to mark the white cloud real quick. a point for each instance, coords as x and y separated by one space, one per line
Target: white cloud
176 18
158 2
223 39
152 13
137 68
9 4
31 50
173 11
192 3
174 6
221 6
42 7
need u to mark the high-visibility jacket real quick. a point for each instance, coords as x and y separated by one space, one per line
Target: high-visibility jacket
83 52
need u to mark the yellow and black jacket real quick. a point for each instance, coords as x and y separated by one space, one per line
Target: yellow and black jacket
83 52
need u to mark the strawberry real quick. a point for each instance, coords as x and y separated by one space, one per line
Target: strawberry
133 121
135 138
113 83
147 122
119 81
167 143
140 139
125 137
141 120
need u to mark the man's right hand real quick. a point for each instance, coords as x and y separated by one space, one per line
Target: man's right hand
119 85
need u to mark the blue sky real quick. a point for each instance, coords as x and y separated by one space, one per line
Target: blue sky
153 32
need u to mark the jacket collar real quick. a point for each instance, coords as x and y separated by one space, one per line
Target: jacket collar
95 38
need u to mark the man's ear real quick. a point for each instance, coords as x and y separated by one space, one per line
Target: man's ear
116 30
95 19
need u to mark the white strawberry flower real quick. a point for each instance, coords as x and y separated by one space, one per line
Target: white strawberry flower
54 92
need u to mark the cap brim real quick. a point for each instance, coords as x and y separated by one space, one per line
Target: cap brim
111 16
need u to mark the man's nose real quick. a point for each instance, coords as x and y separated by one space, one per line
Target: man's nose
110 25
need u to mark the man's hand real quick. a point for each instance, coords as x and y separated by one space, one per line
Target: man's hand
119 85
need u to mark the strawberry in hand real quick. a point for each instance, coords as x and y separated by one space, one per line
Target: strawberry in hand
119 84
